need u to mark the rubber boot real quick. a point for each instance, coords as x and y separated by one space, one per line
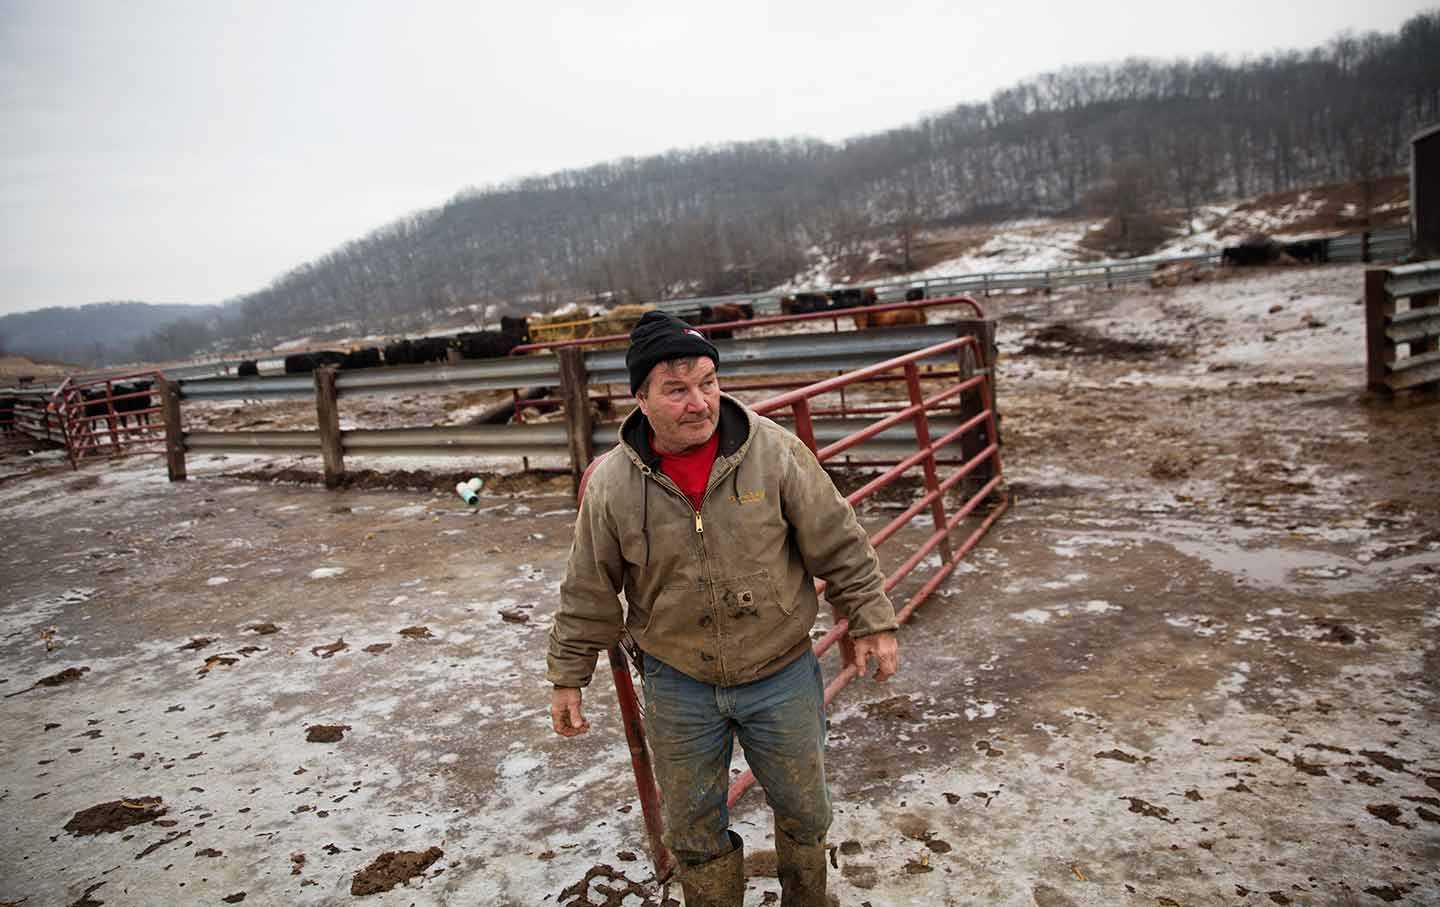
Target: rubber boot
802 872
719 882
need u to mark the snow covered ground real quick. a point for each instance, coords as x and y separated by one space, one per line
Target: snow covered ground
1194 664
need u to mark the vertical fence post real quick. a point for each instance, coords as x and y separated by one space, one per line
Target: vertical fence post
575 391
973 360
1365 246
327 415
1379 351
174 431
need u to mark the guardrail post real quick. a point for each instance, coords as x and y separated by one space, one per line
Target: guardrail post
174 431
327 414
1379 351
575 391
973 360
1365 246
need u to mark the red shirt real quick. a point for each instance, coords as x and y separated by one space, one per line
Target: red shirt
691 471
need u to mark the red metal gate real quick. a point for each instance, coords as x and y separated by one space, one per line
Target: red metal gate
112 416
977 479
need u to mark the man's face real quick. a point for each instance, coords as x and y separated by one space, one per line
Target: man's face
682 404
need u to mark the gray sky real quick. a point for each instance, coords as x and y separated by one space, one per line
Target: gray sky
194 151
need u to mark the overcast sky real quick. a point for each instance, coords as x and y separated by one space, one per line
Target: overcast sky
193 151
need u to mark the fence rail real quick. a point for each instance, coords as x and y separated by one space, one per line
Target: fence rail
1376 245
572 371
1415 327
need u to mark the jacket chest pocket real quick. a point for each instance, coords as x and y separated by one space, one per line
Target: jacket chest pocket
749 596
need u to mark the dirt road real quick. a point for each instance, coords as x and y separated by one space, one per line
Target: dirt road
1196 664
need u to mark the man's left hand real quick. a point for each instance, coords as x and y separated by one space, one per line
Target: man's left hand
883 648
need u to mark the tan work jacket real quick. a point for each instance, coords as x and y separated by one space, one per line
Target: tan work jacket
724 594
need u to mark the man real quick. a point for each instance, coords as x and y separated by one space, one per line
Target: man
713 521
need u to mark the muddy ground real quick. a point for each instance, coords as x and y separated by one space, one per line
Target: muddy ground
1194 664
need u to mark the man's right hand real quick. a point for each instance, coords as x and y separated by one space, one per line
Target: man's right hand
565 714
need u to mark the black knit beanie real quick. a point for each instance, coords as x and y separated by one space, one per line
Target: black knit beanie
660 337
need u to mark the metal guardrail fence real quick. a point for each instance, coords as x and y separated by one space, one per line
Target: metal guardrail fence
1388 327
575 370
1376 245
778 355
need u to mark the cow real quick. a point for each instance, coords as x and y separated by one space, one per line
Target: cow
362 357
1256 249
730 311
304 363
516 326
249 368
98 406
1310 250
125 403
914 294
805 303
888 319
487 344
846 299
7 414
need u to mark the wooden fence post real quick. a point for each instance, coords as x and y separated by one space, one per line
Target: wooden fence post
1379 352
327 414
174 430
575 391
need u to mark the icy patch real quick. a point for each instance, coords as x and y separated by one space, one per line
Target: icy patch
27 612
518 765
1235 683
1097 606
217 581
1200 625
1032 616
981 709
326 572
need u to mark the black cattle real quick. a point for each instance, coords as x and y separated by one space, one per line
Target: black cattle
397 353
487 344
1253 250
299 363
1311 250
847 299
7 414
515 327
914 294
717 314
249 368
418 352
98 413
127 405
304 363
364 357
805 303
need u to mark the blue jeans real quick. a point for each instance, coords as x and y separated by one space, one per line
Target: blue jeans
691 727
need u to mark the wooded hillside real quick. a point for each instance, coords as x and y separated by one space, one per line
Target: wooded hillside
1137 135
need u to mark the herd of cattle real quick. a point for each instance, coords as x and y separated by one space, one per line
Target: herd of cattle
516 331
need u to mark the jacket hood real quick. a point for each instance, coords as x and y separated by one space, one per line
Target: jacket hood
735 428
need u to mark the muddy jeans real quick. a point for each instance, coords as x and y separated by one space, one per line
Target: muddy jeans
691 727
